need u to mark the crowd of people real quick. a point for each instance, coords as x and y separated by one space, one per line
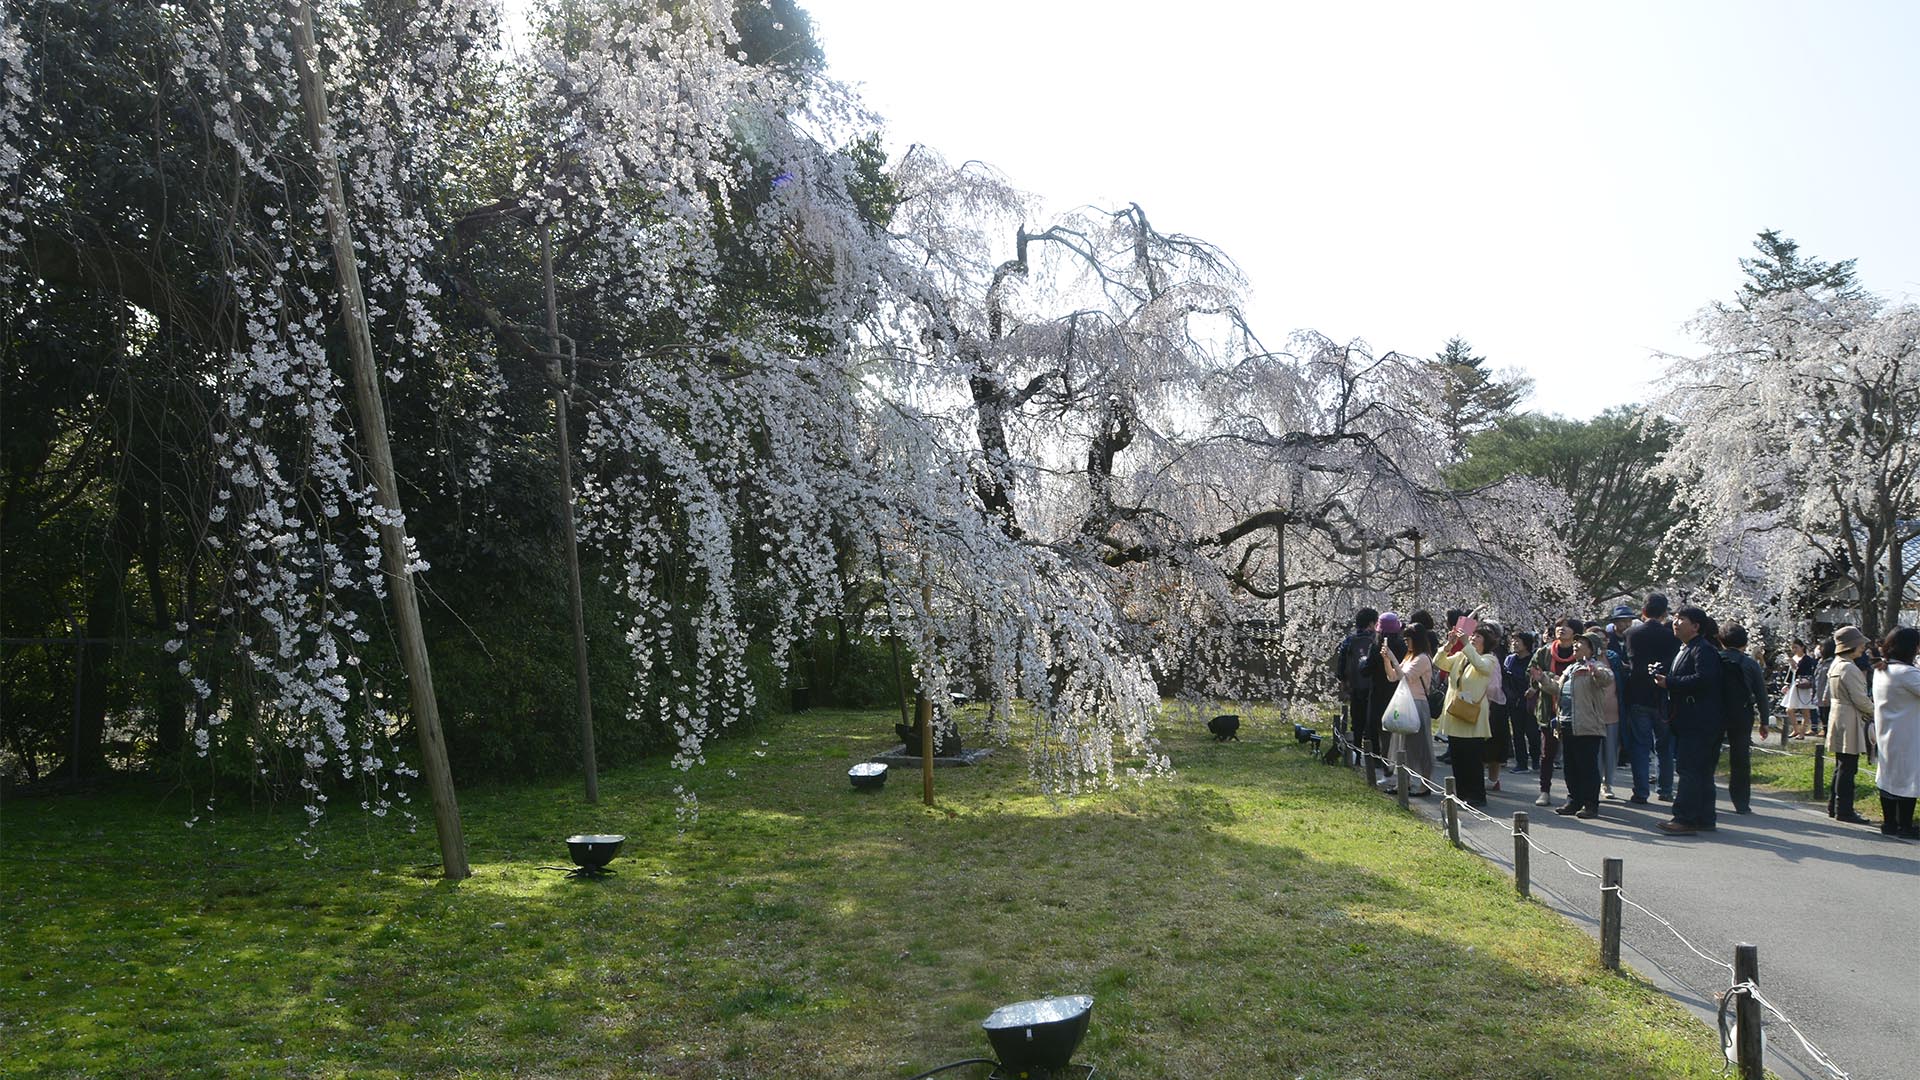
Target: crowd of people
1655 691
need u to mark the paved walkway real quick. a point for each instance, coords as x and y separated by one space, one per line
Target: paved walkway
1834 909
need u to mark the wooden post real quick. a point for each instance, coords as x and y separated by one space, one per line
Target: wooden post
1819 769
924 713
575 607
899 682
1453 814
373 432
1416 568
1373 768
893 641
1403 778
1522 855
1611 872
1747 1047
1280 576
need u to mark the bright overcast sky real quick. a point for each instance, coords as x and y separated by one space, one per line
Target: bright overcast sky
1561 184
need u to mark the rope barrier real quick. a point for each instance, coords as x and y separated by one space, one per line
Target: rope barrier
1818 1055
1533 843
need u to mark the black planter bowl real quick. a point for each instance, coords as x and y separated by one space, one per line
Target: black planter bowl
1038 1037
868 776
593 851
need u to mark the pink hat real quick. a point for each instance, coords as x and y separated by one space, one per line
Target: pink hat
1391 623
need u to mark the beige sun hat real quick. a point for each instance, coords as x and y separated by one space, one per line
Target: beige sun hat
1849 640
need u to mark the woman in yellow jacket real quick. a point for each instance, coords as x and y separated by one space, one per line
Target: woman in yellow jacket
1468 663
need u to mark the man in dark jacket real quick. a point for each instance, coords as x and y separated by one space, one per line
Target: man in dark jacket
1739 731
1350 662
1650 648
1697 722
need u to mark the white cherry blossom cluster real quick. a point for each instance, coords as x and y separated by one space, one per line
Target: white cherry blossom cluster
16 99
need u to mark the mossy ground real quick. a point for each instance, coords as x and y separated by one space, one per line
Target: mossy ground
1257 915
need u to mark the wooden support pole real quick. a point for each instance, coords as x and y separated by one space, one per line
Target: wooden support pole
924 714
1611 872
1402 778
893 641
576 608
1747 1047
1453 813
1416 571
372 415
1522 855
1819 770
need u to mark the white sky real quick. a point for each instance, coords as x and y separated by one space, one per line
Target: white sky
1563 185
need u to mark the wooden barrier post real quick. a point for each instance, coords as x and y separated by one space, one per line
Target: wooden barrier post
1373 770
1522 855
1819 770
1403 778
1746 1014
1611 871
1453 814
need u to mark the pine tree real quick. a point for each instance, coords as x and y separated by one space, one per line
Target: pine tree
1779 267
1472 398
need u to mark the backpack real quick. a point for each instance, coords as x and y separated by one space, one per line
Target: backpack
1354 654
1736 701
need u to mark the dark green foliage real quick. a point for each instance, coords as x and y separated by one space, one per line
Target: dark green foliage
843 668
1472 398
1779 267
107 354
778 34
1620 514
873 191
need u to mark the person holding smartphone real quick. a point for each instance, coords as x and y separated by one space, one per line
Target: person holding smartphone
1468 663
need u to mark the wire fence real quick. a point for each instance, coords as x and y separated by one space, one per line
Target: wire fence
1735 986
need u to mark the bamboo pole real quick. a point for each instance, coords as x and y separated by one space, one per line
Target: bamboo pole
373 431
576 608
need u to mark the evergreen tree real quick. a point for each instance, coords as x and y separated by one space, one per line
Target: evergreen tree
1472 398
1619 512
1779 267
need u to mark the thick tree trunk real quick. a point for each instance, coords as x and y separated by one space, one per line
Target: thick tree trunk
373 431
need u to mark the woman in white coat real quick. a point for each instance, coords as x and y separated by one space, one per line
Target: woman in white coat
1896 728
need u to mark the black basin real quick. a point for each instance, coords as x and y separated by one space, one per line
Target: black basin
592 851
1038 1036
868 775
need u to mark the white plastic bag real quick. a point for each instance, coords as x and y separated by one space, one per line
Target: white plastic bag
1401 717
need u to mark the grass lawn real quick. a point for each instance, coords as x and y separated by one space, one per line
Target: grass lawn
1257 916
1792 775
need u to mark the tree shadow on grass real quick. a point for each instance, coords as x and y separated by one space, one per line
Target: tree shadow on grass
1255 916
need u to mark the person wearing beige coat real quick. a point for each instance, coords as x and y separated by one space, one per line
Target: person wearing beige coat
1850 710
1587 685
1468 662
